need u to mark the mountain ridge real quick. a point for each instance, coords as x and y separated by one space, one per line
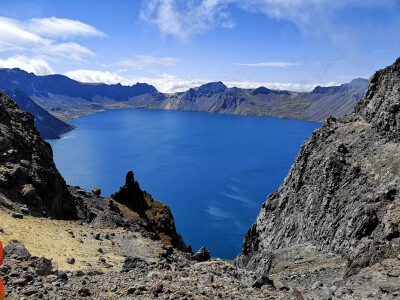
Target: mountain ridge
66 98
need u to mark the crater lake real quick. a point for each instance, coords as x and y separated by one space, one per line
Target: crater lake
213 170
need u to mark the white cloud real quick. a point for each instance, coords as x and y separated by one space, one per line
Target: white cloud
34 65
171 83
70 50
183 19
143 61
26 37
13 33
63 28
4 46
284 86
91 76
277 64
304 12
166 83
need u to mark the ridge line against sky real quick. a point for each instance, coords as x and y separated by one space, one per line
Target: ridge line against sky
175 44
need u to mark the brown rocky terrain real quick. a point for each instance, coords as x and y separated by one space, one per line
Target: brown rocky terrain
167 277
333 227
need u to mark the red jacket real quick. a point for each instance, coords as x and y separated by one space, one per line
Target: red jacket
2 293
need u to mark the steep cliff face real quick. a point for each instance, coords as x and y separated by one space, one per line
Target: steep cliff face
341 196
28 174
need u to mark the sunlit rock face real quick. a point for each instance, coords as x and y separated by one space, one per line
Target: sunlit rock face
340 199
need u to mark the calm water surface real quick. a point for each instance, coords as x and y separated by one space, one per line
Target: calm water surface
213 170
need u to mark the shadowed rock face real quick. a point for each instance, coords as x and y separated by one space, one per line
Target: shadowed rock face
131 195
342 193
28 174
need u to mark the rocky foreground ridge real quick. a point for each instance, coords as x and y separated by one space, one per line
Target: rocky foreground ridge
28 174
332 229
62 242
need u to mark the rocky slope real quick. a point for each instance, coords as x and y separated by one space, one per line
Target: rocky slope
335 101
28 174
49 126
333 227
66 98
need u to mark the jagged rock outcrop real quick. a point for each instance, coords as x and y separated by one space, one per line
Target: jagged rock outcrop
28 174
381 106
155 213
131 195
340 203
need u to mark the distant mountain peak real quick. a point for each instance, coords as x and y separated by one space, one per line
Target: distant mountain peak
319 89
265 91
359 79
355 84
212 88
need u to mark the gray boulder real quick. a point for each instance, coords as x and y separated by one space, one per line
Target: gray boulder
16 250
96 191
201 255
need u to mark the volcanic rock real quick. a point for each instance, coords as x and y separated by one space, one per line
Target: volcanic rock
202 255
28 174
96 191
17 250
131 195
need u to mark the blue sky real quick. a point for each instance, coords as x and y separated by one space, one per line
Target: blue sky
175 45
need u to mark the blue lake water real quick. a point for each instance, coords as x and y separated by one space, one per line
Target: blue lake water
213 170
